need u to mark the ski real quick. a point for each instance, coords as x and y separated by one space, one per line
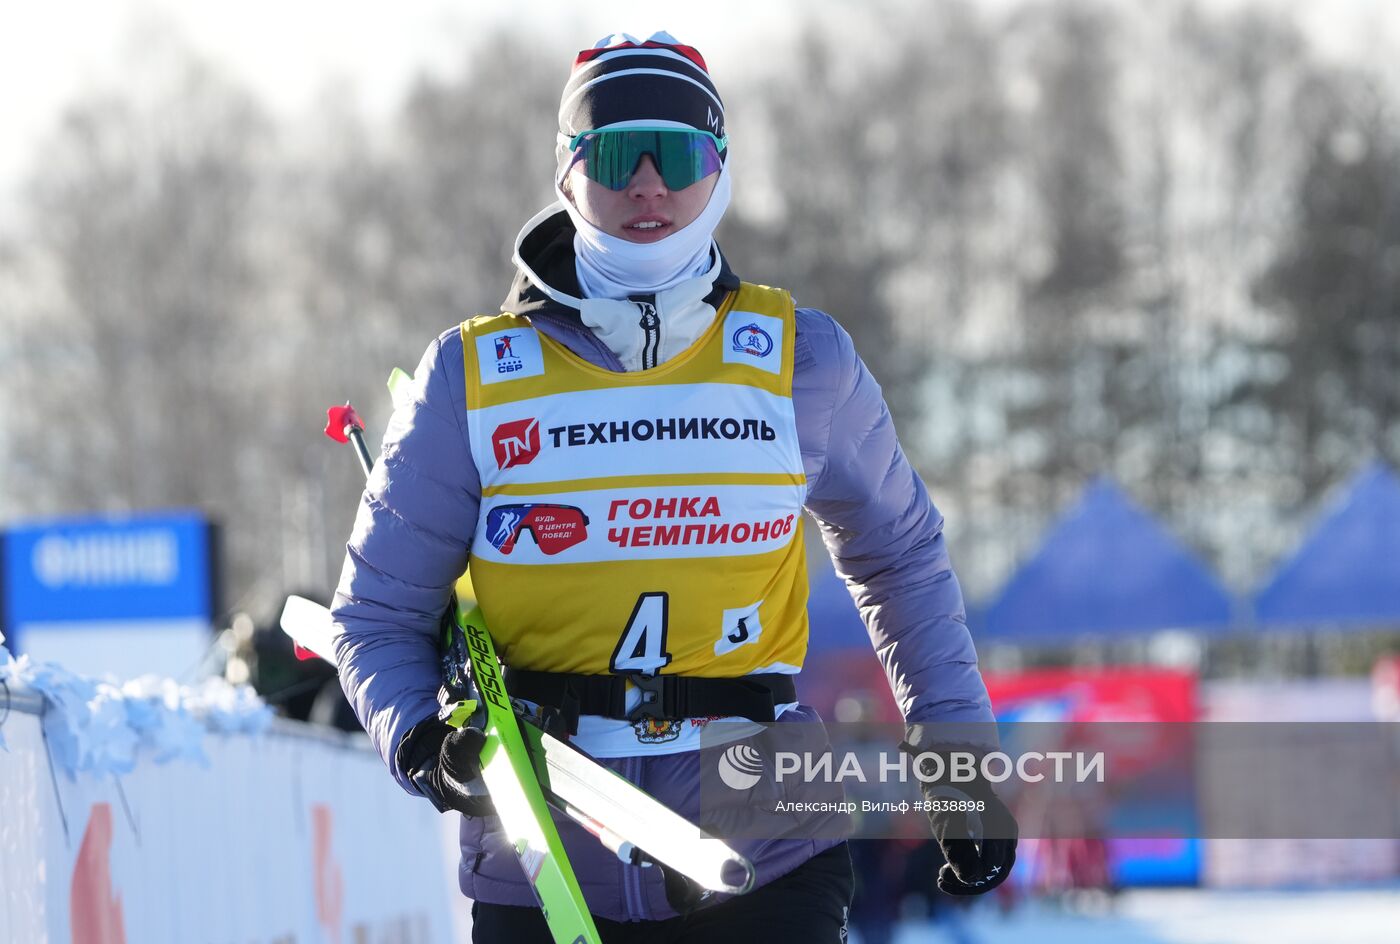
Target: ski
626 819
506 768
519 801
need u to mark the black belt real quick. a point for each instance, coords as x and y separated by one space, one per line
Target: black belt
663 696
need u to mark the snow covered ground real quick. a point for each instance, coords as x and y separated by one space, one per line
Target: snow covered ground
1186 916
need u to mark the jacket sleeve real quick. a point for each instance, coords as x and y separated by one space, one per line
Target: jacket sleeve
884 535
409 545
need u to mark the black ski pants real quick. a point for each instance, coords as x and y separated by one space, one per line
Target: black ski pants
809 905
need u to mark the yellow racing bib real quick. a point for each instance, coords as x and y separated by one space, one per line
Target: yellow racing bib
644 522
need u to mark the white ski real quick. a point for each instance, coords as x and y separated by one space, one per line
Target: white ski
625 819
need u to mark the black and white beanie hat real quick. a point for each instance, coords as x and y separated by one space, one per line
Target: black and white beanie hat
624 80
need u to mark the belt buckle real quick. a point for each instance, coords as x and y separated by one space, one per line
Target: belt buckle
652 704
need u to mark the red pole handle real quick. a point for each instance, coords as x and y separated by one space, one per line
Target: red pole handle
340 420
344 425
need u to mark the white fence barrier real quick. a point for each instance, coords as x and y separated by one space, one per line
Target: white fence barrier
288 836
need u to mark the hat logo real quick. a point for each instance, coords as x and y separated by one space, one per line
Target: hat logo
713 121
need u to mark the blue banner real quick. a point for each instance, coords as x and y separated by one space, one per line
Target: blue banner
144 567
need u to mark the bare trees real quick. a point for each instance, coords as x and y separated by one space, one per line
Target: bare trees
138 267
1069 238
196 284
1335 282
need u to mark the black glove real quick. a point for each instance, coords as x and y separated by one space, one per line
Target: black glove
683 893
444 764
975 830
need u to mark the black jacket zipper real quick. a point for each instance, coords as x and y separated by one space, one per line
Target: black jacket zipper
650 323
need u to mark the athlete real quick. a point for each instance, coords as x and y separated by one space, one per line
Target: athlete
675 422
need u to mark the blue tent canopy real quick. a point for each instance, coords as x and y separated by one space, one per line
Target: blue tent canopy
1347 571
1107 568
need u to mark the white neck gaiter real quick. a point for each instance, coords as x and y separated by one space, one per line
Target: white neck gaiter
648 333
609 267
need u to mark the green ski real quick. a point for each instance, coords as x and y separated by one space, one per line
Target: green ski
515 791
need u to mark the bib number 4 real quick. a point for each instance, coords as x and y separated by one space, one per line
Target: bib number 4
642 648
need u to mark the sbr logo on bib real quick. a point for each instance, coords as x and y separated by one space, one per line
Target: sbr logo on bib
508 355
